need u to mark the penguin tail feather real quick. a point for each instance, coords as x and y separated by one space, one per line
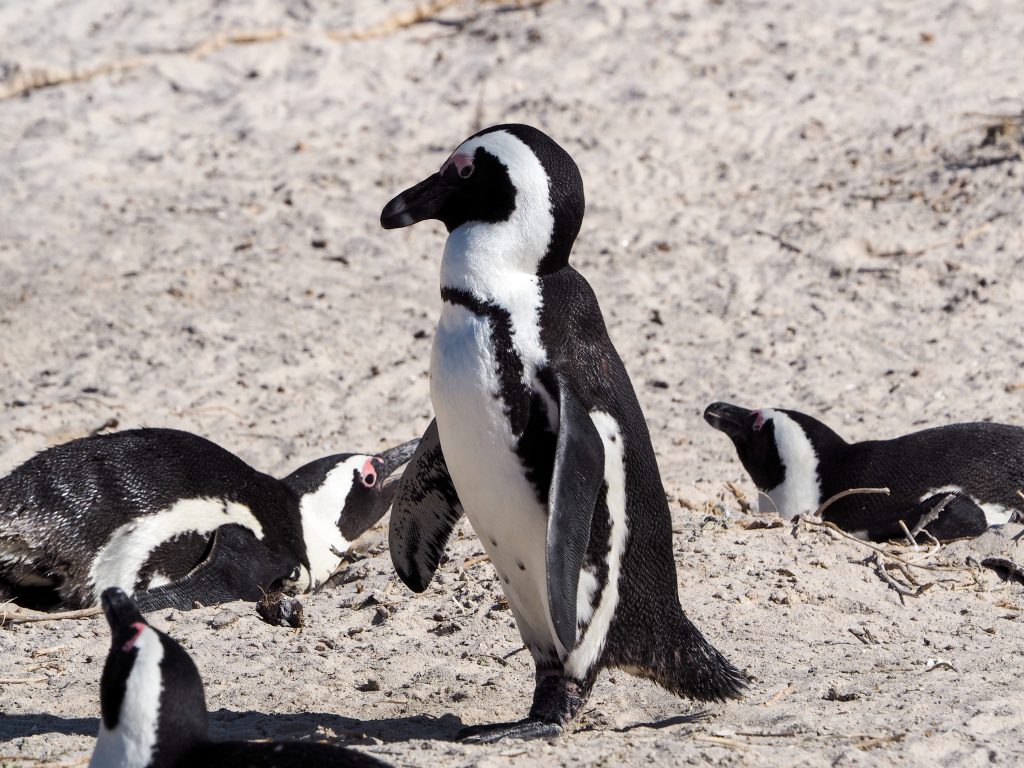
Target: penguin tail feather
686 664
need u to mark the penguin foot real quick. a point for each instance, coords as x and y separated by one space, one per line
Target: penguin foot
529 728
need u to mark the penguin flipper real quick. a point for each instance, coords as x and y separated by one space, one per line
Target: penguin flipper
952 518
423 514
238 567
575 483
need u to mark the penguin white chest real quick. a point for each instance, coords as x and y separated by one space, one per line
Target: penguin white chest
480 451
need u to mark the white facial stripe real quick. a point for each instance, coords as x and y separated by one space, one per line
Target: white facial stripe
320 512
582 658
130 744
119 562
799 493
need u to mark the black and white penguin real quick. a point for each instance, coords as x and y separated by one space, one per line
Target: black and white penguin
539 437
153 711
175 519
951 481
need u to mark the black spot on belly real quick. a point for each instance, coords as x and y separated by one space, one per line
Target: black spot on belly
524 408
494 542
520 564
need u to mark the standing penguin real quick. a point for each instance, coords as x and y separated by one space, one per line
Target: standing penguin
951 481
540 439
153 711
175 519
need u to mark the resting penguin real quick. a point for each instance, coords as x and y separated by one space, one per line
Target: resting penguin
951 481
540 439
153 712
175 519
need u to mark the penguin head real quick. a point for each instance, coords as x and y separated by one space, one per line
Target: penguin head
781 451
340 497
151 696
510 191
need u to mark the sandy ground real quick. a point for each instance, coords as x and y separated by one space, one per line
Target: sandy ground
790 204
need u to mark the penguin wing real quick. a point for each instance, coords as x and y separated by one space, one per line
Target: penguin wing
238 567
423 514
948 516
575 484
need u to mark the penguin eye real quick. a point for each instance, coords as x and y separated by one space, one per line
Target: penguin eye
463 165
368 474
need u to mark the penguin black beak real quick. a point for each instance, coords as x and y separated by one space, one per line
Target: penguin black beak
418 203
394 458
121 613
730 419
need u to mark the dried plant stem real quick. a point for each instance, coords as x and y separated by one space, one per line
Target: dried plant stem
26 81
21 617
843 494
837 530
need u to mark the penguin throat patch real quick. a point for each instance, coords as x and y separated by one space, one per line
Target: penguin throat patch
139 628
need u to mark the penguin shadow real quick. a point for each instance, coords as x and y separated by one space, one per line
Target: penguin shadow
226 724
19 726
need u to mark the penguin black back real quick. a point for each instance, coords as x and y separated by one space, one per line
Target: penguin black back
153 711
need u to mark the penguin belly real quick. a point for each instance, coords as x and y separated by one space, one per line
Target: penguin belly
479 449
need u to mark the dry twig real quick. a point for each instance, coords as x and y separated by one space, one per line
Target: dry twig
901 589
20 617
835 529
741 498
470 562
843 494
26 81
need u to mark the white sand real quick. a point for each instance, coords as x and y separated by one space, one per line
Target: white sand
157 267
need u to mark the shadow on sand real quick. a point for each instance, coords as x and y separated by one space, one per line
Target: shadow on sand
227 725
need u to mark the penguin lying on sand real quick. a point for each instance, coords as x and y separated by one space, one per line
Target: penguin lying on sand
153 712
176 519
951 481
540 439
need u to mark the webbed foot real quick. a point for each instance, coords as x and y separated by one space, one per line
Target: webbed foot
529 728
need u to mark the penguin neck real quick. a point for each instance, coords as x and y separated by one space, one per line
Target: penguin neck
493 260
491 274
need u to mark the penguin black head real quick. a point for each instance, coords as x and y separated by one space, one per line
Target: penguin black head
781 451
151 695
513 178
340 497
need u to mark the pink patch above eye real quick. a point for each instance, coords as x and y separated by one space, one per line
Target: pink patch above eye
758 421
139 628
368 473
463 165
